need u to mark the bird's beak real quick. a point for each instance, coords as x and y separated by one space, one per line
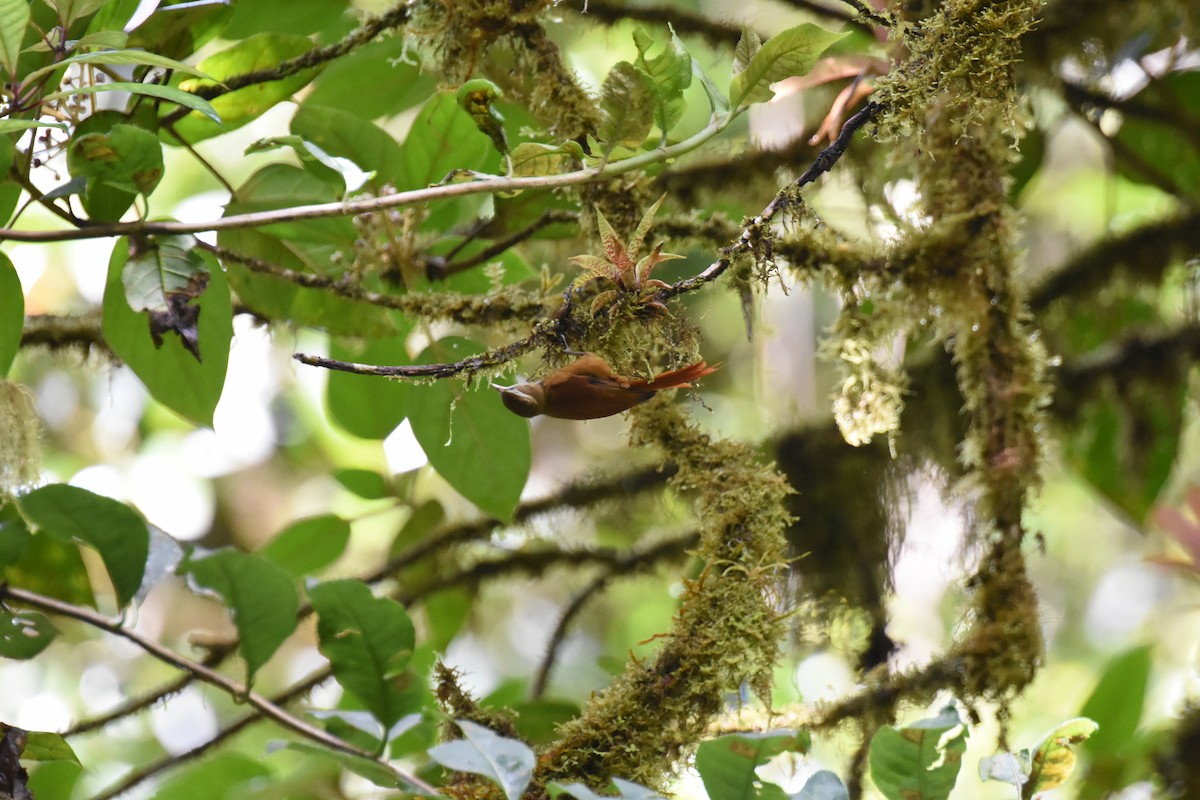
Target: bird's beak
498 387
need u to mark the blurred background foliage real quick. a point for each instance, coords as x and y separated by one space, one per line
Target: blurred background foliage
331 475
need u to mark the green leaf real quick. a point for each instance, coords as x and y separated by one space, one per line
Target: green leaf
161 267
628 97
534 158
12 313
113 529
309 545
234 109
471 439
716 98
225 775
365 483
175 29
368 641
727 764
375 772
823 785
303 17
1125 437
55 568
395 84
261 598
443 139
46 746
340 133
749 43
446 612
1054 760
54 780
126 158
791 52
538 721
1116 703
71 10
1159 146
13 125
185 99
14 535
174 376
425 518
14 18
140 57
918 762
507 762
278 186
368 406
25 634
671 71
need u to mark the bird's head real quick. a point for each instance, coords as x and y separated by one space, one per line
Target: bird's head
523 399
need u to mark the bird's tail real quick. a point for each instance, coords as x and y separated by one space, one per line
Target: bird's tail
680 377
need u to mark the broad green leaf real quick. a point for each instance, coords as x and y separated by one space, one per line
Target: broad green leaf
395 84
174 377
671 71
126 158
53 567
175 29
366 405
727 764
24 634
365 483
14 18
303 17
46 746
102 201
628 97
283 300
916 762
105 40
443 139
71 10
345 135
222 775
823 785
12 313
260 595
791 52
1125 437
234 109
1116 703
54 780
446 612
1159 145
424 519
186 99
373 771
278 186
471 439
747 47
1054 759
507 762
14 535
163 266
535 158
139 57
113 529
309 545
368 641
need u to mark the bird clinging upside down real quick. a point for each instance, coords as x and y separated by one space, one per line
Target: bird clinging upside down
587 388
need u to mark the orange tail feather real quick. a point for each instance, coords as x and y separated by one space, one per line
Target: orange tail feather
680 377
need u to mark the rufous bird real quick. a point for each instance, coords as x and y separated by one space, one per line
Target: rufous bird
587 388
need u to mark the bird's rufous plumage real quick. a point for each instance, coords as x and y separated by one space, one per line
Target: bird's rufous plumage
587 388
